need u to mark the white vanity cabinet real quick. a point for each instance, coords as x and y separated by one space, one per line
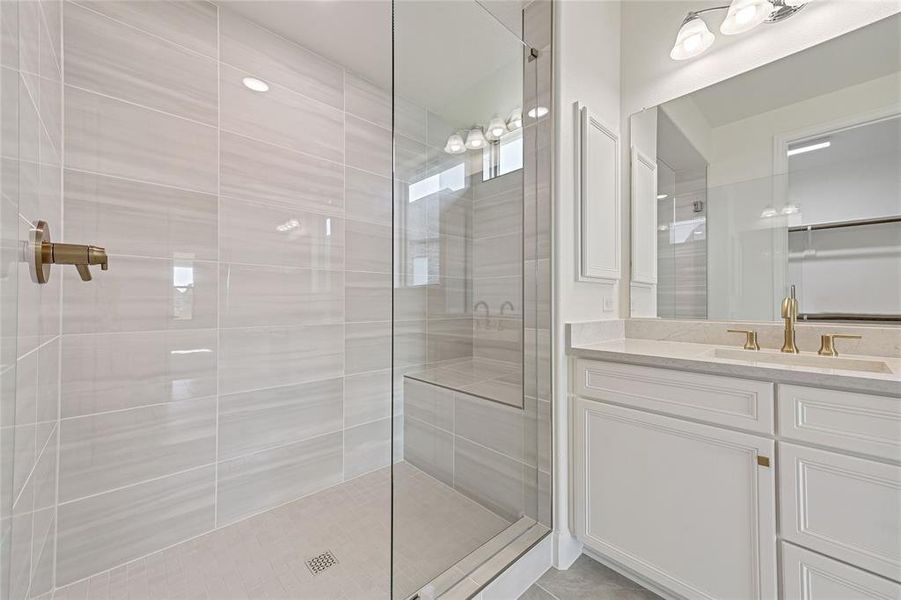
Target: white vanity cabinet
676 476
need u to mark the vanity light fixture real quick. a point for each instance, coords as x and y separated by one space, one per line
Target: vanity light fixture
538 112
694 37
790 209
768 212
475 139
254 84
496 128
514 121
455 144
662 196
808 148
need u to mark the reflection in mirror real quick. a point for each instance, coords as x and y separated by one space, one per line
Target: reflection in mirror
784 175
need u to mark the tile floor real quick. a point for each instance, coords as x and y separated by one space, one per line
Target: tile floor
263 557
586 579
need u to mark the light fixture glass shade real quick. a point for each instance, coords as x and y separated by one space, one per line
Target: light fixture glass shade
454 144
514 121
475 139
257 85
538 112
744 15
693 39
496 128
795 3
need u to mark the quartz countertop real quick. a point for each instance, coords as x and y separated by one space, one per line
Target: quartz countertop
701 358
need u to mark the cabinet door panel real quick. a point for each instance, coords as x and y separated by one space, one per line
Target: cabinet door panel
846 507
810 576
683 504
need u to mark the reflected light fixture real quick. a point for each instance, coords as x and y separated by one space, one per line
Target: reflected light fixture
514 121
768 212
808 148
257 85
475 139
538 112
662 196
694 37
496 128
455 144
790 209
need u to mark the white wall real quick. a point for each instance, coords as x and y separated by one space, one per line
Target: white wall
587 70
650 77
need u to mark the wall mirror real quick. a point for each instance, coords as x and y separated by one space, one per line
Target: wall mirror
789 174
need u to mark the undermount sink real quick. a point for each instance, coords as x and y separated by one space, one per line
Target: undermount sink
804 360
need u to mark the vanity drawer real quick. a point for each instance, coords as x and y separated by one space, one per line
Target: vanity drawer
810 576
846 507
844 420
739 403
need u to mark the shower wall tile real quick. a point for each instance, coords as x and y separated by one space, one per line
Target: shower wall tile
103 531
188 23
280 116
429 449
498 215
498 256
274 59
367 197
491 479
449 339
141 294
109 57
490 424
48 385
105 372
108 136
174 222
255 296
279 356
367 101
367 347
367 397
111 450
254 170
368 296
368 247
262 419
367 448
267 479
411 159
429 404
367 146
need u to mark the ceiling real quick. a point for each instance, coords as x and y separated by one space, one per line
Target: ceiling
459 59
861 55
673 148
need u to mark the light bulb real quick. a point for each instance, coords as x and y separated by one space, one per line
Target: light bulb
475 139
744 15
790 209
455 144
514 121
693 39
257 85
538 112
496 128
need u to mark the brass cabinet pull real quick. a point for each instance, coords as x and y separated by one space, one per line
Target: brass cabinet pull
750 339
45 253
827 343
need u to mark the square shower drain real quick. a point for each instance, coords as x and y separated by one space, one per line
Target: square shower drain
321 562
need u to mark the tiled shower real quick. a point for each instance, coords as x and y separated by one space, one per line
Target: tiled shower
236 378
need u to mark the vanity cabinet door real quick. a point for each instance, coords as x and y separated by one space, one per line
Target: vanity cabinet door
685 505
846 507
810 576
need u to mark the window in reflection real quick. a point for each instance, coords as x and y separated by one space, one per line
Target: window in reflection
183 290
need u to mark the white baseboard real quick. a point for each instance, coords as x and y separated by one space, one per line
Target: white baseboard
567 549
520 576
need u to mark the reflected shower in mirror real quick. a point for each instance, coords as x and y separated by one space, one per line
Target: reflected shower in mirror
784 175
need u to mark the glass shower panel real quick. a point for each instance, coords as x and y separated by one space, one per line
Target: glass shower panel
466 114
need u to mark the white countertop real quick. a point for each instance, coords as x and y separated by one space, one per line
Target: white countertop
700 358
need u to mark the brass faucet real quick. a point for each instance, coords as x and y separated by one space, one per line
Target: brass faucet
790 315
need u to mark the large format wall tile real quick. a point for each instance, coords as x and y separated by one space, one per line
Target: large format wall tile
141 294
103 531
106 451
498 256
280 116
367 347
256 233
429 449
367 397
367 448
111 58
104 372
368 247
267 479
368 296
104 211
367 101
254 170
254 50
368 146
252 296
367 196
273 356
261 419
430 404
189 23
490 424
489 478
104 135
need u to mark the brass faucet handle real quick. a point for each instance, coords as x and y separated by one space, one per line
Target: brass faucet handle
827 342
750 338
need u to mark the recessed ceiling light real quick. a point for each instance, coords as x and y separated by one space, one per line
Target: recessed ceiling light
809 148
257 85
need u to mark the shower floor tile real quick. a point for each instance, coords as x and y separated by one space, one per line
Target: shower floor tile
264 557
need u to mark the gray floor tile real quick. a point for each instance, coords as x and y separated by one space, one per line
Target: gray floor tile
588 579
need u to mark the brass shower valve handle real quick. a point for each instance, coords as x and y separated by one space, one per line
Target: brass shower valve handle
47 253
